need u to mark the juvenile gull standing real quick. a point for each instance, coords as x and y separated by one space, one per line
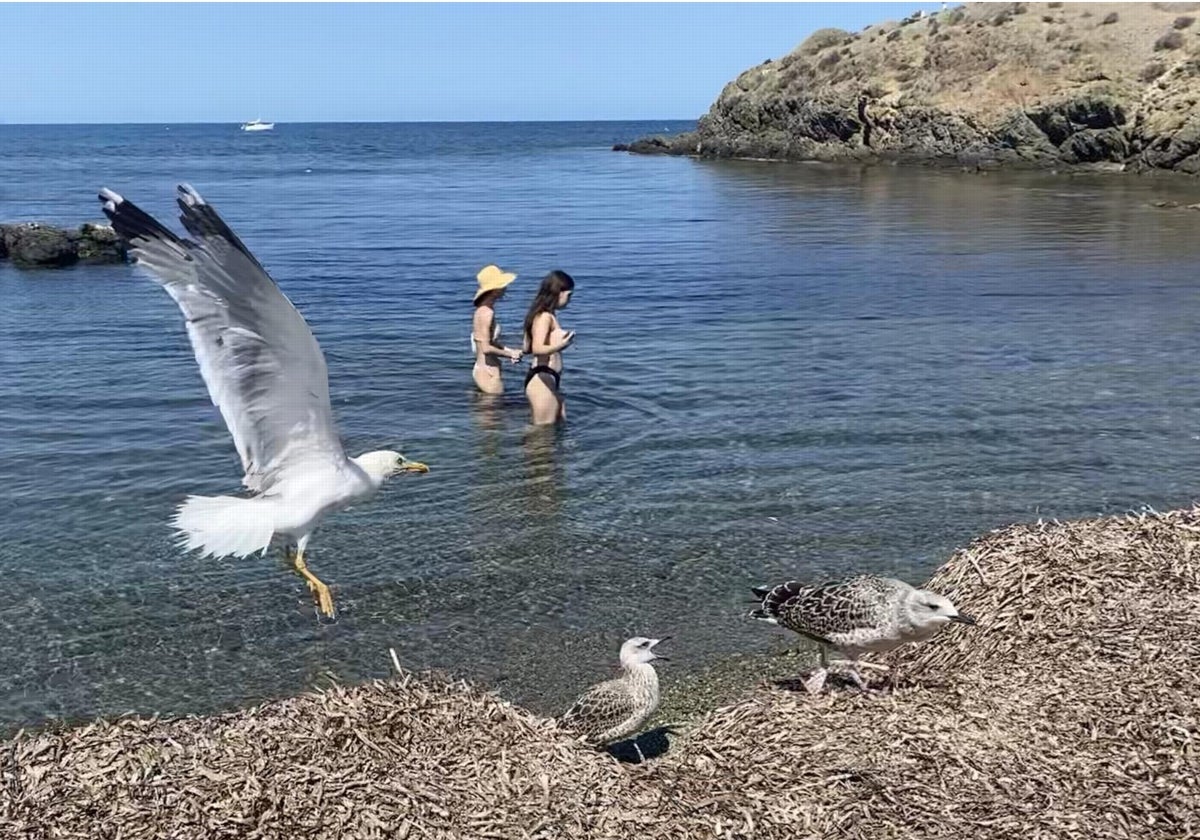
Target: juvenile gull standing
861 614
267 375
615 709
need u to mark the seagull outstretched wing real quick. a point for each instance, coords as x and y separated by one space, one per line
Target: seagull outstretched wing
260 361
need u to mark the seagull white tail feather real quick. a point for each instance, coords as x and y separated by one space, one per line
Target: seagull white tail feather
225 525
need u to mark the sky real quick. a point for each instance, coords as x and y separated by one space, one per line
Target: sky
316 62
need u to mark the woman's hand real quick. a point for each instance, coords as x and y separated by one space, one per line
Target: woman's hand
567 339
514 355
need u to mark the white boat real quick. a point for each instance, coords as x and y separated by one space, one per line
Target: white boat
257 125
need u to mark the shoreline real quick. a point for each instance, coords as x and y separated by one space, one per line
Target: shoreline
664 146
1075 688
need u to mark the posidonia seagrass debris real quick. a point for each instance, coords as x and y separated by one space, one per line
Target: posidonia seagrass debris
1071 712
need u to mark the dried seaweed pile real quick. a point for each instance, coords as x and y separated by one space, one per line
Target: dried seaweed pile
1073 711
416 757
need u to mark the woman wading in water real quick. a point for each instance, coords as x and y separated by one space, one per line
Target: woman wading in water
546 340
485 332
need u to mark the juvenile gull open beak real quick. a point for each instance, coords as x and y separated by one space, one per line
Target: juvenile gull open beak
963 618
655 643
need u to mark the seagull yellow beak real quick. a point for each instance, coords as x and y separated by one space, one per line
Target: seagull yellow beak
413 466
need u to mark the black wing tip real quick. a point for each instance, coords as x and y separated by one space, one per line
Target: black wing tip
114 205
198 217
189 197
202 221
110 202
135 225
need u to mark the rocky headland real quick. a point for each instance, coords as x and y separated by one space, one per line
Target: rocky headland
36 245
1035 85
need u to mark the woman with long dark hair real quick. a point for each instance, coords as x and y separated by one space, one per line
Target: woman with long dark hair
546 340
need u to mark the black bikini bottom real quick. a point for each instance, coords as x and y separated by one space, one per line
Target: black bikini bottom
534 371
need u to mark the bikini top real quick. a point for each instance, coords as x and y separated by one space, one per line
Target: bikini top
495 337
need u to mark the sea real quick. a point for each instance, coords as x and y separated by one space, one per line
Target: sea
781 371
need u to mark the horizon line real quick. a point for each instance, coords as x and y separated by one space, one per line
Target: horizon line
357 122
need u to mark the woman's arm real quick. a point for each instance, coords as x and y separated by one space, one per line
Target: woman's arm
543 324
483 336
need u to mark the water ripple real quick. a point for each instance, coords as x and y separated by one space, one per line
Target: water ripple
779 371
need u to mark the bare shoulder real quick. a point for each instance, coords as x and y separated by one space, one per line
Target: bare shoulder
543 323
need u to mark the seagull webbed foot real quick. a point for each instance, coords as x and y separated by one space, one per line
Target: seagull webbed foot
816 681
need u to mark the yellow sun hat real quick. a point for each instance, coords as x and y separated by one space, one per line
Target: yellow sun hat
490 278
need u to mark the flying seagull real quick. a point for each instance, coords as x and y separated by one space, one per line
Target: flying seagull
612 710
267 375
864 613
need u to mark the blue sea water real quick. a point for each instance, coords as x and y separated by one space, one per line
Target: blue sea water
780 371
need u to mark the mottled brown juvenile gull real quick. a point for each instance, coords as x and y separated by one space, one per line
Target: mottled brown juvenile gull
267 375
855 616
615 709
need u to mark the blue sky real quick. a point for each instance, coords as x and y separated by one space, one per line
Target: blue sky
170 62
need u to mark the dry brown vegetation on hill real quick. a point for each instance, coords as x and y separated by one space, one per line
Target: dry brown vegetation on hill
1110 85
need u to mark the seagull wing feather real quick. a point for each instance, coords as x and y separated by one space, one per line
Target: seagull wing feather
599 709
263 367
820 612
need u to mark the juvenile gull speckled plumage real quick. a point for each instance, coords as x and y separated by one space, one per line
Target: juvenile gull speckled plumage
855 616
615 709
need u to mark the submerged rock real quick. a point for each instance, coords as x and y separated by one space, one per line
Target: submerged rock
35 245
982 85
679 144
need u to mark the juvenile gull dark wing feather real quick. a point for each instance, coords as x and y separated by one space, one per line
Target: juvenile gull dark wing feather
831 609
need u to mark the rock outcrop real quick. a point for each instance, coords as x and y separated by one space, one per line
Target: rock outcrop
1040 85
34 245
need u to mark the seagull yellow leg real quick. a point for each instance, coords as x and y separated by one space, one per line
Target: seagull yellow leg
319 590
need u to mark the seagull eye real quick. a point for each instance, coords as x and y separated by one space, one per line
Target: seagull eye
933 607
